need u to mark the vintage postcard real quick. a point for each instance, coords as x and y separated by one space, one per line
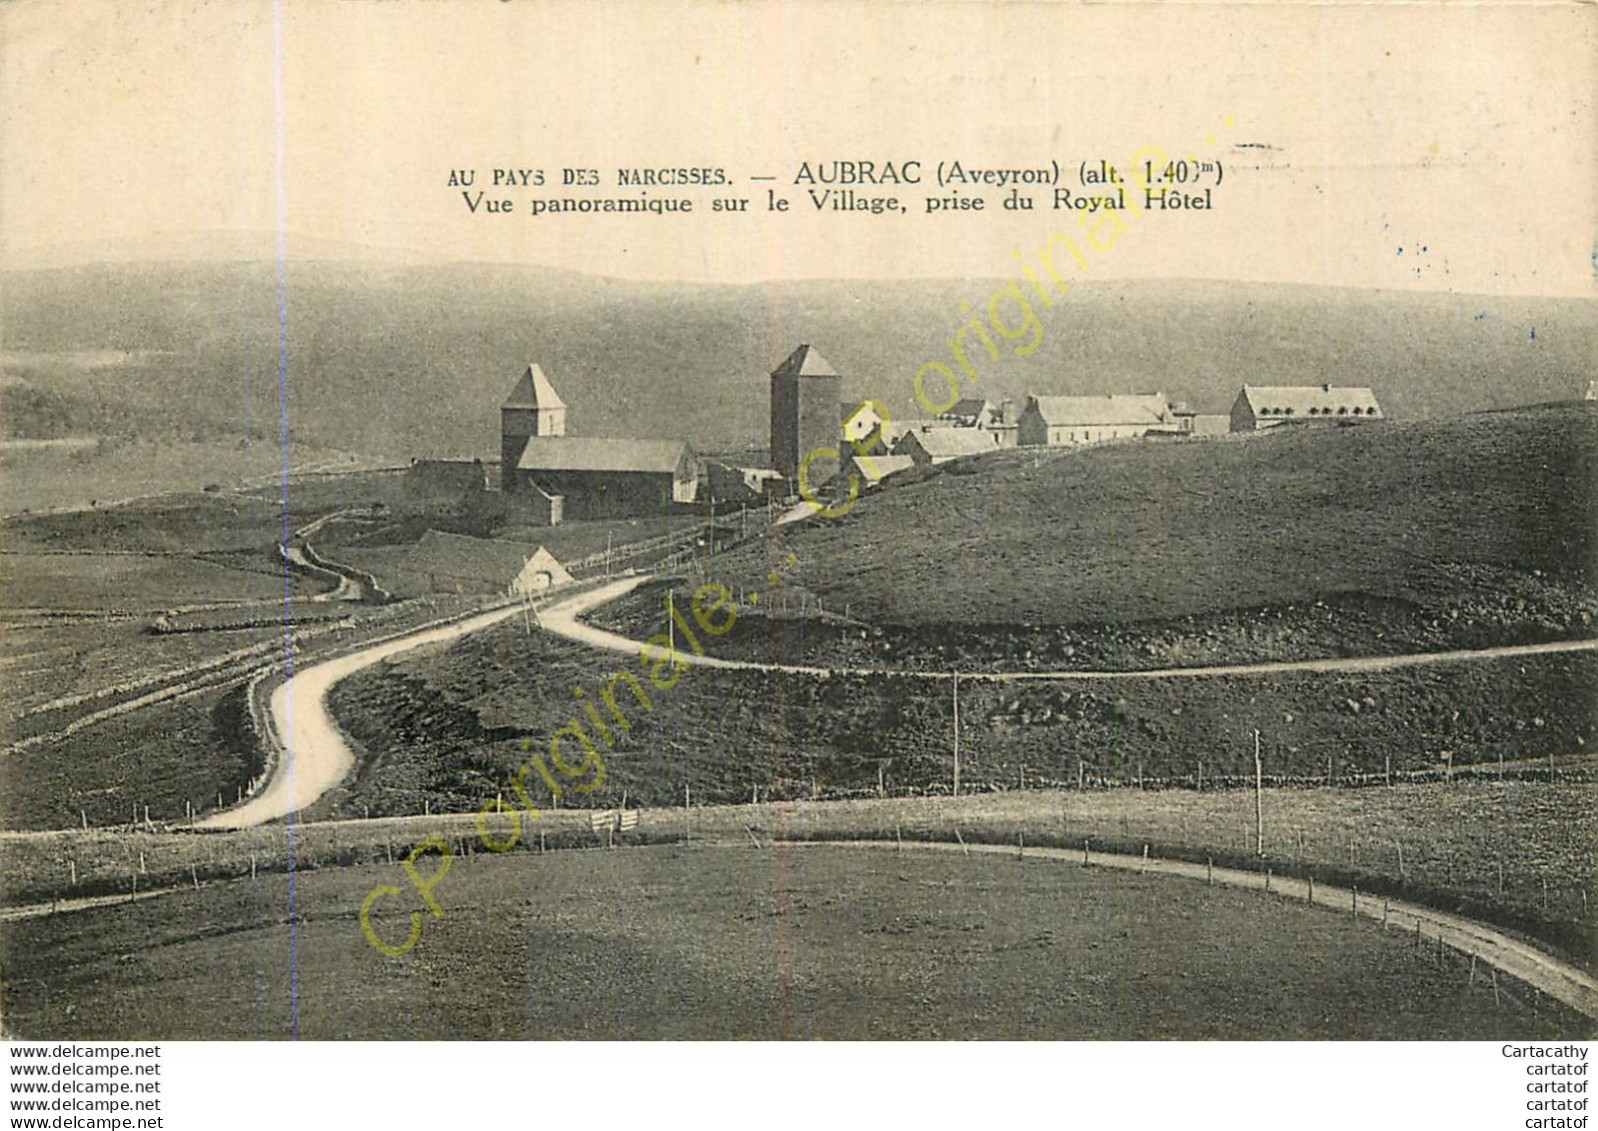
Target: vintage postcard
757 521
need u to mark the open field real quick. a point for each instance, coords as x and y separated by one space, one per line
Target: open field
131 583
809 944
1478 848
1423 536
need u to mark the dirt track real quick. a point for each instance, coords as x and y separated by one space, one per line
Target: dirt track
563 622
315 756
318 758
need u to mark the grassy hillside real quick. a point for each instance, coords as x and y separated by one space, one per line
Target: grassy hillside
809 943
1393 537
402 360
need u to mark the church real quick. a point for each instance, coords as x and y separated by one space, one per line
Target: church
573 477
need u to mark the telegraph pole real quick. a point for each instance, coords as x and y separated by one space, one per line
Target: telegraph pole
957 734
1259 799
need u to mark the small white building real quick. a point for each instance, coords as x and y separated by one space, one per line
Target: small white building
455 563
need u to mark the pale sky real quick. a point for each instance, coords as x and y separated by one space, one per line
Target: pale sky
1463 134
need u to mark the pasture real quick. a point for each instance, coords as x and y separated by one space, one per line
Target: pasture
810 943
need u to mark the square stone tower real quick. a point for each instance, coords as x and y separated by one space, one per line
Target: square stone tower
533 409
805 392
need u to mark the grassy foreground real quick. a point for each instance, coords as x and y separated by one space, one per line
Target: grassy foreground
743 943
1480 848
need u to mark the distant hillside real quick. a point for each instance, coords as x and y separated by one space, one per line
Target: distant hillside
1378 538
402 359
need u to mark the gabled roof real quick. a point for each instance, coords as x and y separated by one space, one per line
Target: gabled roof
895 430
974 407
805 362
877 468
1134 408
949 443
534 391
486 559
1298 400
579 453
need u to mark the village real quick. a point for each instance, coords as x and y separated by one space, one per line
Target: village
821 446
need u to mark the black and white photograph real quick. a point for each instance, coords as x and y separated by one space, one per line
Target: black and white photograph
798 522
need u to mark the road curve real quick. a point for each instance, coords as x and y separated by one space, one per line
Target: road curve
1575 988
315 756
1560 980
564 622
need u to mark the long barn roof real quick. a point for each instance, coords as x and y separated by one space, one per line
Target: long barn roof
1134 408
1300 399
580 453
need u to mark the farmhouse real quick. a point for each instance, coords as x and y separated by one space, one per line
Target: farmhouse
560 476
453 563
1085 420
735 483
1267 406
940 445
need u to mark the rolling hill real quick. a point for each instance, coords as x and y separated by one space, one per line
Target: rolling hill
402 359
1468 532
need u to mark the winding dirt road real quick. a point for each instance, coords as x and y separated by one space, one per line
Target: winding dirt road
565 622
315 757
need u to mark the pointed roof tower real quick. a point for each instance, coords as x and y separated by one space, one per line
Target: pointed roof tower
805 362
534 391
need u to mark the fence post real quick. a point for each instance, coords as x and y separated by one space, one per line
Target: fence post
1209 870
